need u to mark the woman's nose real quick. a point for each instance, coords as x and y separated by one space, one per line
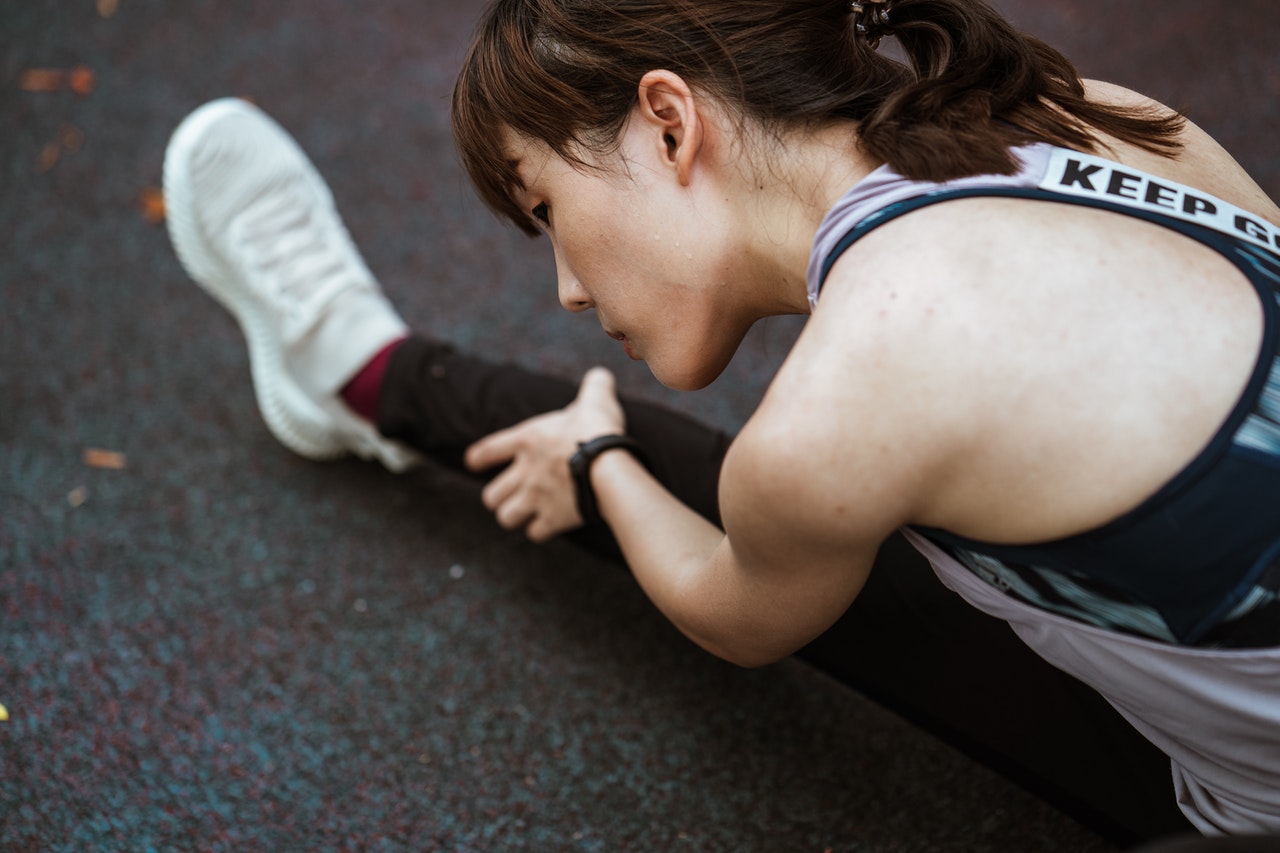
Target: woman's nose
572 295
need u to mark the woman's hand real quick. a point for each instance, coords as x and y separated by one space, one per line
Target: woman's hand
536 492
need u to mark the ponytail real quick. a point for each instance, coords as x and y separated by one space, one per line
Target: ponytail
565 72
980 88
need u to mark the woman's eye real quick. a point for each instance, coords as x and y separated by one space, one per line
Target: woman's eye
541 214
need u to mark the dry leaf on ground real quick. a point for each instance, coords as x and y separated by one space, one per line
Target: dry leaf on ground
79 79
42 80
96 458
151 203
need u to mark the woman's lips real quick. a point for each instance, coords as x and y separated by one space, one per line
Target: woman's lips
626 344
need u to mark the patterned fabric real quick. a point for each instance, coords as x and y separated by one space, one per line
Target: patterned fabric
1252 610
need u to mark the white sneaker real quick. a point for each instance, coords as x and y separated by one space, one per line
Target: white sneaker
254 224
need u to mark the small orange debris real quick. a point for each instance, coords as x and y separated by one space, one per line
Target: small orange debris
95 458
71 138
77 496
48 157
107 8
81 80
42 80
151 203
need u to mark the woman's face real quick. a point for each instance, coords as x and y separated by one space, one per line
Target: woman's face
654 258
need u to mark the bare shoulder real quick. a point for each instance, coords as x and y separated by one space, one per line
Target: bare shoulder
1112 93
1202 163
854 435
839 455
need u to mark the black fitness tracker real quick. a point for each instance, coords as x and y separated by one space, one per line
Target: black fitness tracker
580 469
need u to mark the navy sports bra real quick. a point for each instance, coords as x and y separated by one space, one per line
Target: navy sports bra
1198 563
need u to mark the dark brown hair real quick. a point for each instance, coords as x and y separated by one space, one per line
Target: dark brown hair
567 72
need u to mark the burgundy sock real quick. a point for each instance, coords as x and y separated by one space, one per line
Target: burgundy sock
361 393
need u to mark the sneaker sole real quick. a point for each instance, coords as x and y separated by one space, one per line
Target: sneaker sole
293 419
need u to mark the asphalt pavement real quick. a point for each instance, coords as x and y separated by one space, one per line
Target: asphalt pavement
207 643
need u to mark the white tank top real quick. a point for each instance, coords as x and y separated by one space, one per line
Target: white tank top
1215 713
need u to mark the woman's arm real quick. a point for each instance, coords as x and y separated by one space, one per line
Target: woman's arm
802 527
846 447
775 581
751 599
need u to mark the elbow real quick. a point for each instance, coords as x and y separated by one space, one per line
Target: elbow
748 647
737 638
754 661
747 656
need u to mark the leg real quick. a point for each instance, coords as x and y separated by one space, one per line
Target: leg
438 401
255 226
907 642
918 649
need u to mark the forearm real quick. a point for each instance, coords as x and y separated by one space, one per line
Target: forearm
752 595
672 552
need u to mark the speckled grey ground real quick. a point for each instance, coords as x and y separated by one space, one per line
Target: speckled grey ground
224 647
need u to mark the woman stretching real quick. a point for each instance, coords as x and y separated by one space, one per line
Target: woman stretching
1043 345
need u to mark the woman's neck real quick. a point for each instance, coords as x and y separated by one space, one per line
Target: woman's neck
802 177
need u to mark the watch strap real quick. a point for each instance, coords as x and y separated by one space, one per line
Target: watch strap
580 468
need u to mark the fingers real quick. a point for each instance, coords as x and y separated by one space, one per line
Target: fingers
514 515
598 385
493 450
500 489
535 491
509 504
517 503
540 530
597 391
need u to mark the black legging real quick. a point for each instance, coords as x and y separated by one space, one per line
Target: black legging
907 641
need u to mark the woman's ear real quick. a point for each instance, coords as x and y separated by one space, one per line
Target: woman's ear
669 112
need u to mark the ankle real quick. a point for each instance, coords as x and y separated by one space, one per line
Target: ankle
343 338
362 391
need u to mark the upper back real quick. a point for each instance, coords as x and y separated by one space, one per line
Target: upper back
1048 366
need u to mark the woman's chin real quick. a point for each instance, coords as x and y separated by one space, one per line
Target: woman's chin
687 377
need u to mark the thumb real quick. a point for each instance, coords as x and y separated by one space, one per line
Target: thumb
598 386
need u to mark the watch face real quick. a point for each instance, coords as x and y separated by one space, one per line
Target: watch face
581 461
